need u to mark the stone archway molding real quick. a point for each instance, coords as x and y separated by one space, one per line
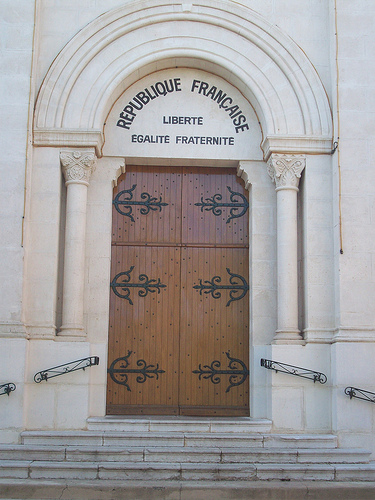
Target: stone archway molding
231 41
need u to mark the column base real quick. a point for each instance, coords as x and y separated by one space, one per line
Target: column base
290 336
318 335
71 332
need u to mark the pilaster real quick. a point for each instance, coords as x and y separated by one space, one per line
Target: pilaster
77 166
285 171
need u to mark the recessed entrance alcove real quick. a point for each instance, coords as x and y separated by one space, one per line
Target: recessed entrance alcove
179 325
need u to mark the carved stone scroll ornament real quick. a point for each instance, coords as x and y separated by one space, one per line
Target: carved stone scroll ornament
77 166
285 170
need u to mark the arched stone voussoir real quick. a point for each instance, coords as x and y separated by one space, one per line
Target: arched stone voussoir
118 48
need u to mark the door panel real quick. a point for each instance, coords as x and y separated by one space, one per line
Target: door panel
147 206
145 323
179 304
214 331
215 208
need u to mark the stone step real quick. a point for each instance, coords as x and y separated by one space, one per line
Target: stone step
187 490
179 439
180 454
156 472
178 424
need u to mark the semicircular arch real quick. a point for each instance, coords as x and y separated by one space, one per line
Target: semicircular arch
233 42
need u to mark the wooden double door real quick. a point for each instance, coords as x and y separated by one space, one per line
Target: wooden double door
179 301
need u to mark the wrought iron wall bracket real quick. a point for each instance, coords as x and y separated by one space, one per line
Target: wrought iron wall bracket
7 388
294 370
354 392
73 366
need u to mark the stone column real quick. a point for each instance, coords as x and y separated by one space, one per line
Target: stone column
285 171
77 167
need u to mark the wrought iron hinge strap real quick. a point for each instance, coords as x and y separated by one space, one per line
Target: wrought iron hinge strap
119 371
215 205
238 287
237 374
125 199
79 364
354 392
294 370
7 388
147 285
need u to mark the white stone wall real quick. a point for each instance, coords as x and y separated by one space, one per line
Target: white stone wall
16 28
16 50
42 235
357 139
353 352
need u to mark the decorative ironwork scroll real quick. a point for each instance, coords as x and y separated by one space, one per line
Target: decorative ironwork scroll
80 364
147 285
237 372
119 371
294 370
238 287
124 203
354 392
238 204
7 388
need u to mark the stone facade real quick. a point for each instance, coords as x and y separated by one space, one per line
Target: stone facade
302 71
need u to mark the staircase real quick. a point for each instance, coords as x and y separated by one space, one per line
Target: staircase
178 451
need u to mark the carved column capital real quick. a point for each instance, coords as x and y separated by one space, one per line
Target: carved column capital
285 170
77 166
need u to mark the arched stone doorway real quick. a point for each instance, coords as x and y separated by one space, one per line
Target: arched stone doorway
235 44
